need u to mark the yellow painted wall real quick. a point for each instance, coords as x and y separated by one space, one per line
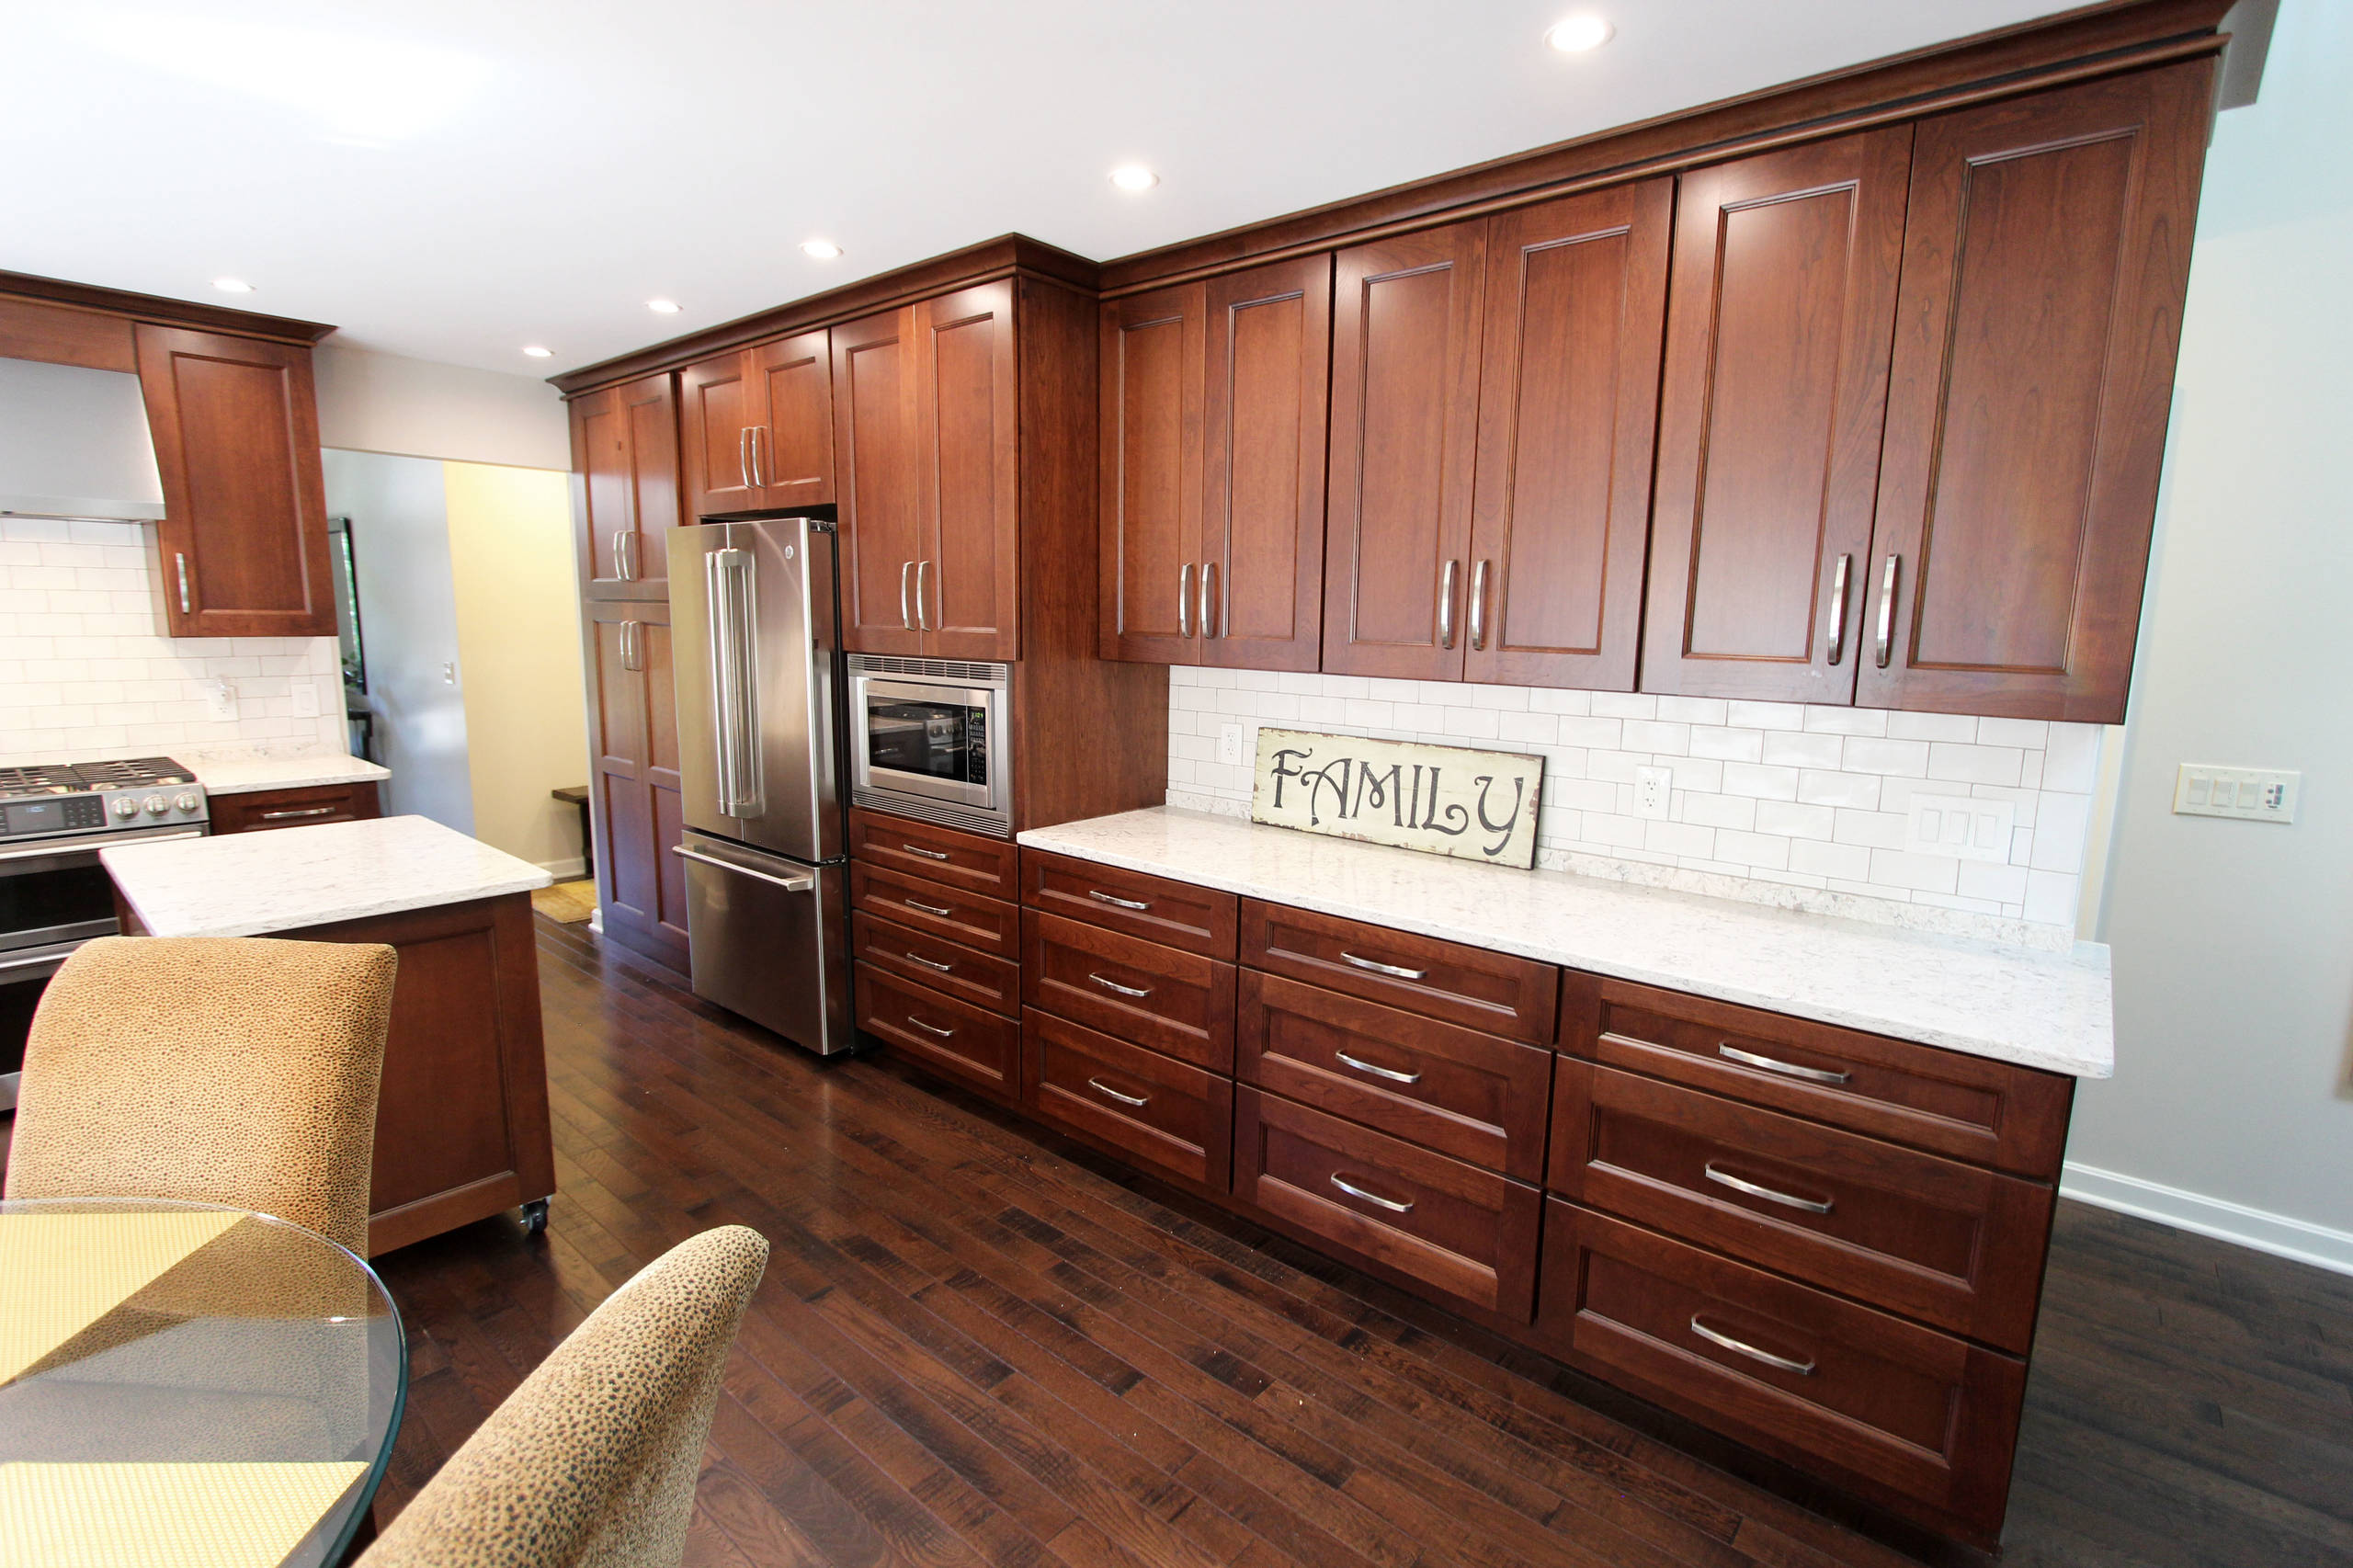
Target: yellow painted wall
518 655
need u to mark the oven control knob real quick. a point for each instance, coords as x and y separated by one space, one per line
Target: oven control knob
184 803
157 805
124 806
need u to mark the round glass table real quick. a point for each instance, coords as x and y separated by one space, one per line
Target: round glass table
186 1383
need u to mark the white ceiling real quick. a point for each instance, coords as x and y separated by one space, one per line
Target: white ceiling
454 180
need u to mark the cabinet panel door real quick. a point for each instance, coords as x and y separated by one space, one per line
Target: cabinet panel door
638 816
793 458
1268 360
1151 498
243 539
969 596
1404 427
876 473
2045 260
1770 412
1575 312
625 457
718 405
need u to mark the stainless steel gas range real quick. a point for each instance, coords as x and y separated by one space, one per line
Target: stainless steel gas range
54 896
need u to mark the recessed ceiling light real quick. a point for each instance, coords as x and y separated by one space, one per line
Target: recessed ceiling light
233 286
819 250
536 352
1134 177
1575 35
663 307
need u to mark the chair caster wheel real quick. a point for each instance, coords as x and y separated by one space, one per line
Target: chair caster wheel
535 1216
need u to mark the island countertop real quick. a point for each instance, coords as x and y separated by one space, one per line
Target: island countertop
248 884
2053 1011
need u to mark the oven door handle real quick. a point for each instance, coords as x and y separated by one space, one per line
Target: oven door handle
40 851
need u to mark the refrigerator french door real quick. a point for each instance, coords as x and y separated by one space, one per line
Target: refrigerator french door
757 655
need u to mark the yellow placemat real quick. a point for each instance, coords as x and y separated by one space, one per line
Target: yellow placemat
60 1273
192 1516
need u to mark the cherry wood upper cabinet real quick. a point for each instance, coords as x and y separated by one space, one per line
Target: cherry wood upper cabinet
967 587
1575 312
757 428
875 455
625 466
1153 388
2045 261
243 539
1772 403
1405 315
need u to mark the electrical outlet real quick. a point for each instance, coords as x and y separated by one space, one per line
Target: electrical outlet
220 700
1960 828
1654 789
1232 746
306 697
2250 794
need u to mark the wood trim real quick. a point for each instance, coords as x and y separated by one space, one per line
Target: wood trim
66 334
413 1222
157 310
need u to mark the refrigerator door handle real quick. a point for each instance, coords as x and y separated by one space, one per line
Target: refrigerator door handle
790 884
727 575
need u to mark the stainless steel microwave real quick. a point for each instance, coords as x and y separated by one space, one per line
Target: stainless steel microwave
927 739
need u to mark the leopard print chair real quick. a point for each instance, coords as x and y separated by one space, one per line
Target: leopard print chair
592 1462
221 1070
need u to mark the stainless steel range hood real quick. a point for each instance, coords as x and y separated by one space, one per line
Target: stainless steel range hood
73 443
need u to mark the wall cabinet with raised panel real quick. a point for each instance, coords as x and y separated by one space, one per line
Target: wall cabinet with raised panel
756 428
625 472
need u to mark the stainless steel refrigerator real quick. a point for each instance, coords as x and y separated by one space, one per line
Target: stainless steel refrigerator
754 636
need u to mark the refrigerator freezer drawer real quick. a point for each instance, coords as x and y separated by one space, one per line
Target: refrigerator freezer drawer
771 940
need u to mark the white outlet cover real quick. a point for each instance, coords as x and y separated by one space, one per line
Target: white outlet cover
220 700
2248 794
1654 792
1230 745
1960 828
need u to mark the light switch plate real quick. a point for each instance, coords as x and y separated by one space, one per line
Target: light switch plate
306 697
1960 828
2249 794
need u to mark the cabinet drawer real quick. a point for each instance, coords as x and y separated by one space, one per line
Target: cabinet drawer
1149 1108
1468 1234
942 1033
255 810
1991 1113
1952 1244
1490 992
987 923
1469 1094
1173 1002
1922 1414
941 855
1176 914
945 967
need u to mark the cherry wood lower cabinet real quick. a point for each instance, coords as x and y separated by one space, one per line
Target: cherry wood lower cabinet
1139 1104
950 968
639 817
253 811
1176 1002
977 1048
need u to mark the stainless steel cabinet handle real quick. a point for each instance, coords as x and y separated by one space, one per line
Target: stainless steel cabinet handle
760 457
923 602
926 854
1209 596
906 621
743 456
932 964
1101 1087
291 813
1118 903
1479 605
1446 607
1379 968
632 645
790 884
1732 1053
1355 1191
181 561
1886 648
1839 607
943 910
1185 600
929 1029
1389 1073
1767 1193
620 553
1115 985
1802 1368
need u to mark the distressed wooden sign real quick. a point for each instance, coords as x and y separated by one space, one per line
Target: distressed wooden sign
1474 805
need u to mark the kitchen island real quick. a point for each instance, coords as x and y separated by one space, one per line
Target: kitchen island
461 1120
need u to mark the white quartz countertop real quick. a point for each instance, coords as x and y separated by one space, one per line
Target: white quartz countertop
2047 1010
247 884
242 775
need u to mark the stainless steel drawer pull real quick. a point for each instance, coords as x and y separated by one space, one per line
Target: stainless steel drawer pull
926 854
1802 1368
1123 990
1885 649
1098 894
1730 1052
942 910
929 1029
907 618
1355 1191
930 963
1401 973
1767 1193
290 815
179 560
1838 608
1389 1073
1098 1085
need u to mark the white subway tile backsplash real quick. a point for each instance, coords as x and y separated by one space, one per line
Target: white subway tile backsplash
1975 763
1865 753
1729 745
1793 748
1824 786
1624 705
1720 811
1795 821
1656 738
1763 783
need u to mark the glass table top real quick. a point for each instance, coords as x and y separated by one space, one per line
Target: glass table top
186 1383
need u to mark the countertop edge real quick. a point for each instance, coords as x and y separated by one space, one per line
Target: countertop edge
387 906
355 771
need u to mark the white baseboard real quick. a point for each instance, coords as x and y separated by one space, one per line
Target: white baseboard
2226 1221
570 870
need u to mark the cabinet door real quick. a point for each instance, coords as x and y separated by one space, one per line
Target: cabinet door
1268 359
2045 259
625 463
1771 405
968 586
718 407
1151 505
637 820
244 538
792 451
1404 427
1575 314
875 466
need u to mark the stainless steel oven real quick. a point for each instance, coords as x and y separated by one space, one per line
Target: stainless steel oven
927 740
